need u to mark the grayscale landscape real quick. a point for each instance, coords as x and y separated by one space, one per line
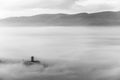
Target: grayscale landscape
59 40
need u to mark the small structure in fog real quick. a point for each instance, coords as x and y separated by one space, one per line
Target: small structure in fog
32 59
33 62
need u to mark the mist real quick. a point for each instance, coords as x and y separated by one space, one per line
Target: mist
61 69
79 53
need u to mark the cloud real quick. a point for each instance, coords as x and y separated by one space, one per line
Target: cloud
73 70
30 4
59 4
65 6
86 5
96 5
54 4
93 8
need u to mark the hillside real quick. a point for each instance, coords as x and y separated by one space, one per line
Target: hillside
93 19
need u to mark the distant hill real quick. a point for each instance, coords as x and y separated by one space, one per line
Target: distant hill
82 19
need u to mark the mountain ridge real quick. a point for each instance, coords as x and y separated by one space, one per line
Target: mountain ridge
107 18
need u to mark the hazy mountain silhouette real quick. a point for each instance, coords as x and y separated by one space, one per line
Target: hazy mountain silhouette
107 18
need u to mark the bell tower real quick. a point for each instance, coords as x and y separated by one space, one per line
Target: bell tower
32 59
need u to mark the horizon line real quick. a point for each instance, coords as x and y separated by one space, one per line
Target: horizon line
58 13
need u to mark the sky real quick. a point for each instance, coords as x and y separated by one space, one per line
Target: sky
9 8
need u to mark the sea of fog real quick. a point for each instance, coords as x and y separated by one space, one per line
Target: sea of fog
72 53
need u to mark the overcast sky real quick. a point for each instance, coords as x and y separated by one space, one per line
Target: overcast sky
32 7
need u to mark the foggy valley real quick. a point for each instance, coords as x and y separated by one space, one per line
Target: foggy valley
79 53
59 39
